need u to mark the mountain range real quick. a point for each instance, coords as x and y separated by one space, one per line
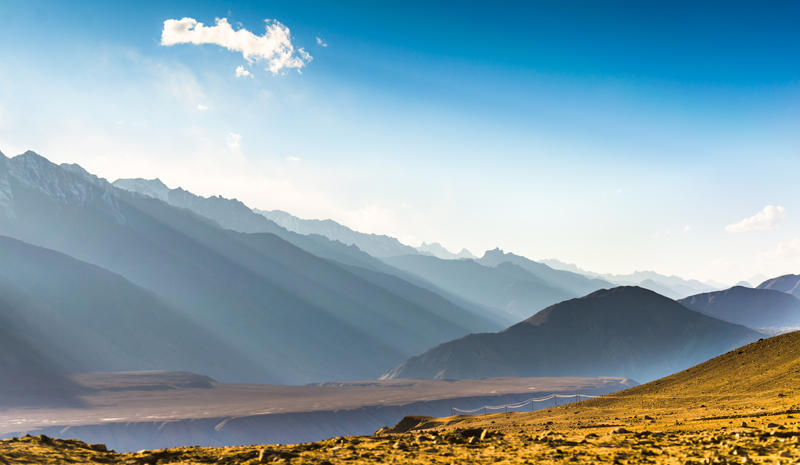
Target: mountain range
297 316
625 331
136 276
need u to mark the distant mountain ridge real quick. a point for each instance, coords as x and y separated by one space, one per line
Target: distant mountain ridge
754 308
301 318
789 284
669 286
507 287
625 331
437 250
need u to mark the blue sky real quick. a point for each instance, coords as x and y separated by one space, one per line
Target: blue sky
590 132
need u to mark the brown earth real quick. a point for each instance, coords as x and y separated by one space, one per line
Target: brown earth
741 407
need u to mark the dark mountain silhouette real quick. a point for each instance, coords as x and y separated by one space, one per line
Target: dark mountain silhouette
625 331
789 284
572 283
299 317
754 308
507 287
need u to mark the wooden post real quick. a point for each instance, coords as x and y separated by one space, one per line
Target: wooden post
484 410
555 397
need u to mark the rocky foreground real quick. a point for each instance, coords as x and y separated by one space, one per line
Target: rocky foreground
775 444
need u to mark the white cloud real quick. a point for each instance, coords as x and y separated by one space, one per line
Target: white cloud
275 46
785 250
240 71
768 218
686 229
202 107
292 160
321 42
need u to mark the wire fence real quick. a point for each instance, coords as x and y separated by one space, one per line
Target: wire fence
518 405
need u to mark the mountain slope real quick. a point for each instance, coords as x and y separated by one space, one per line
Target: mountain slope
570 282
625 331
301 318
232 214
789 284
95 320
754 308
507 287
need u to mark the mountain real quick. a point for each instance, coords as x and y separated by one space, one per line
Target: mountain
236 216
625 331
662 289
744 284
789 283
300 318
570 282
756 280
373 244
95 320
507 287
437 250
754 308
670 286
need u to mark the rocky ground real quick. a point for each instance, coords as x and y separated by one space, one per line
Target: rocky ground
620 446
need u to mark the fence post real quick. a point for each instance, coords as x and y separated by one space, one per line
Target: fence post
506 406
484 410
555 396
452 412
579 397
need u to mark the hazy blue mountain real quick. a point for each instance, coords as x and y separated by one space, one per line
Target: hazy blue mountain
625 331
301 318
662 289
572 283
744 284
757 279
789 284
234 215
754 308
673 285
437 250
96 320
507 287
30 376
373 244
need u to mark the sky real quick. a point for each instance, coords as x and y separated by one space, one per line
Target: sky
618 136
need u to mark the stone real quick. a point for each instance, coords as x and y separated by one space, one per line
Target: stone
619 431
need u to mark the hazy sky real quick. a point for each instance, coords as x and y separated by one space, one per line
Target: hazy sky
618 136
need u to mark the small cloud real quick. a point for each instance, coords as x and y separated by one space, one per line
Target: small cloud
768 218
274 46
292 160
321 42
240 71
686 229
202 107
233 143
669 232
